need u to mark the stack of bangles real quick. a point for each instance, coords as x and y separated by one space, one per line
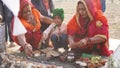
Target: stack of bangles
24 46
88 41
82 44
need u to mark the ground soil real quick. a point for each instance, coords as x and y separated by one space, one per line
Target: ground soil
112 14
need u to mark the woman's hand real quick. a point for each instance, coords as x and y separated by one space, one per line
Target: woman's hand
28 50
82 43
71 42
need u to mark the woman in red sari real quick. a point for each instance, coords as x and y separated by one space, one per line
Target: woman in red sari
30 18
88 30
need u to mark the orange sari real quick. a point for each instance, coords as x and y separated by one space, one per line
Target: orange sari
97 26
33 35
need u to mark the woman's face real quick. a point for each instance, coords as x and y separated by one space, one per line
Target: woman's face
58 20
26 13
82 10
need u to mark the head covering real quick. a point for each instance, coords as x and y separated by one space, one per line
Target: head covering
92 10
58 12
23 3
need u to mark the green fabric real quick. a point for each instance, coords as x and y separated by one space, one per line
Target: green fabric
58 12
84 55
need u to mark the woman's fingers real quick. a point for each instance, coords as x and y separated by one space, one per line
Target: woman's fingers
28 50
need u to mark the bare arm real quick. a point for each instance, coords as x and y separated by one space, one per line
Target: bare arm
91 40
71 42
96 40
27 47
46 19
22 40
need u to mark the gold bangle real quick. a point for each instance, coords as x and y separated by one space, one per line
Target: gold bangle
80 44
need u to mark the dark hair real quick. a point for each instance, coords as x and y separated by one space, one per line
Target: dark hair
79 2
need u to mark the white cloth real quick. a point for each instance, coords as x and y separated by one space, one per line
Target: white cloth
56 30
48 30
115 46
14 6
18 27
61 29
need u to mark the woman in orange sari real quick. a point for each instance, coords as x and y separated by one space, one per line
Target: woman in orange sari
30 18
88 30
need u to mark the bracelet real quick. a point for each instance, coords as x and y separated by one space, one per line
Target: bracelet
79 44
88 41
24 46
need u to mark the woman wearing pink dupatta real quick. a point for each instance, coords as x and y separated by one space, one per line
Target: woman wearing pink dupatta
88 30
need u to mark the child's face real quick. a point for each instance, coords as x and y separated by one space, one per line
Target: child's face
58 20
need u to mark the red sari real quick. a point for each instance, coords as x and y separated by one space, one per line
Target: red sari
33 35
98 4
97 26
